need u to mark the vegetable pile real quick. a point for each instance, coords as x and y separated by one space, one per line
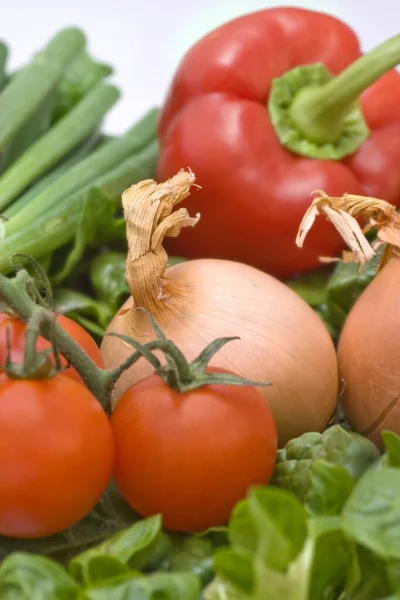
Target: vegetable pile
220 424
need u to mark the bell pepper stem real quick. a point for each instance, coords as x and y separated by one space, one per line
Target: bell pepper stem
318 111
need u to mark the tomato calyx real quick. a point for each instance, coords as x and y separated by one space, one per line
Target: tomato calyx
177 372
35 365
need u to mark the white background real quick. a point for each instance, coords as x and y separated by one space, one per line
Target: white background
145 39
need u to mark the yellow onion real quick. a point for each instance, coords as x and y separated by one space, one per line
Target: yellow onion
369 343
282 339
369 356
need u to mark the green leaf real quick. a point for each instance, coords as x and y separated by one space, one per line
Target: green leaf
392 446
320 569
131 547
190 554
160 586
236 565
281 524
335 445
110 515
393 572
344 287
372 514
96 209
330 486
108 279
311 286
32 577
242 532
222 589
367 576
77 305
175 260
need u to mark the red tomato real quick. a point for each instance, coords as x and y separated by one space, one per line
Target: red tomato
191 456
57 454
17 341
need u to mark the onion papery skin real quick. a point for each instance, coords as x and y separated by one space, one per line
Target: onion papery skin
369 357
282 339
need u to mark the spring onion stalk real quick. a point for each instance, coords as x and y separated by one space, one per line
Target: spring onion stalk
73 158
81 77
36 126
57 226
3 60
85 172
58 141
32 84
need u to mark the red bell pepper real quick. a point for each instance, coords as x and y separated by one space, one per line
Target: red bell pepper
265 110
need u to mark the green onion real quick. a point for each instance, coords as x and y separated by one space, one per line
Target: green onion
56 227
85 172
80 78
32 84
3 60
60 139
77 155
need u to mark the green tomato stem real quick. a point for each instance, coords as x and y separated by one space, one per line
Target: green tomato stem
177 373
13 292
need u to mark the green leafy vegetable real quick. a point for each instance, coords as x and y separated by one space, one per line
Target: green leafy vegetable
318 572
97 209
32 577
280 521
367 577
392 447
343 289
335 445
371 516
190 554
90 313
108 279
311 286
222 589
285 554
129 549
330 486
160 586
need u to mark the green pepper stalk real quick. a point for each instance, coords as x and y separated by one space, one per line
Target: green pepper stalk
318 115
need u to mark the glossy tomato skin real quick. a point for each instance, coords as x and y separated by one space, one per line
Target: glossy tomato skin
57 455
17 341
191 456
